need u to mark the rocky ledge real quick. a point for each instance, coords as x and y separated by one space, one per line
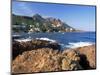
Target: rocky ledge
20 47
43 57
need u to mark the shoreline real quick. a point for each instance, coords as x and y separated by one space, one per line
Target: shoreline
68 46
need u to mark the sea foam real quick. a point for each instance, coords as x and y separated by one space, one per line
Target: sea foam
47 39
29 39
23 40
69 45
78 44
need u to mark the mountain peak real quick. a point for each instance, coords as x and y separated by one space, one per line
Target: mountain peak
37 15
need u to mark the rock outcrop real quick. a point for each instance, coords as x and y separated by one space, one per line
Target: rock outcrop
45 60
44 56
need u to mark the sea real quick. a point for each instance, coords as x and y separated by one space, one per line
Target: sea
66 39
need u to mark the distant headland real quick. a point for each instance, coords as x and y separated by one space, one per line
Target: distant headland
37 23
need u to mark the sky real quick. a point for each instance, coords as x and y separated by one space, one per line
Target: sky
81 17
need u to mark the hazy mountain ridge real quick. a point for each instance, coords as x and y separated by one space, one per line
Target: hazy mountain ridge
37 23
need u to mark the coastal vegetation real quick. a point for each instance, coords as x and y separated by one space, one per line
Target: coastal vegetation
37 23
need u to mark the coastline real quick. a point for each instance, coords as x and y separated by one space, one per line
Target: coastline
43 56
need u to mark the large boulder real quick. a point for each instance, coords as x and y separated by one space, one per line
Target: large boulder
44 56
45 60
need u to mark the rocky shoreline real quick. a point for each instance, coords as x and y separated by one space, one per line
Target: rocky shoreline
44 56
